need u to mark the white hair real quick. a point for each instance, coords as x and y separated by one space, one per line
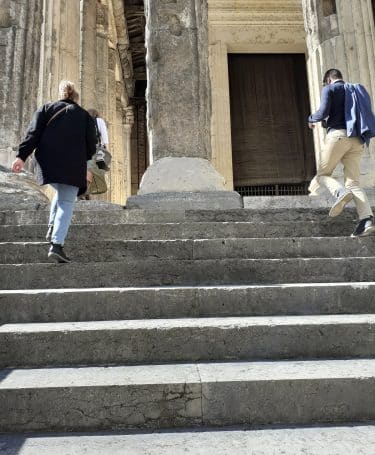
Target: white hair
67 91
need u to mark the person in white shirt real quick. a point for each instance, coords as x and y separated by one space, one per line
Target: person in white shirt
102 138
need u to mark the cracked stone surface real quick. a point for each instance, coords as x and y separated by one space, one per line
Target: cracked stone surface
178 395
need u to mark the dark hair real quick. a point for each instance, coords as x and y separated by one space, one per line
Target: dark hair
332 74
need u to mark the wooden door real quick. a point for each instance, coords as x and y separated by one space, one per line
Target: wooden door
269 108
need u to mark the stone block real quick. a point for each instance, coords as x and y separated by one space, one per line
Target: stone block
20 192
181 175
209 200
110 304
187 340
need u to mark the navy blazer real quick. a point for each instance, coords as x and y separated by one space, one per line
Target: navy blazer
360 120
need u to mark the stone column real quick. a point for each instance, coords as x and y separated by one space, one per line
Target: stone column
220 121
179 111
128 119
60 49
343 40
88 53
20 34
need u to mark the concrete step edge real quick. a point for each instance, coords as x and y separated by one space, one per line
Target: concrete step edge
272 370
352 437
220 323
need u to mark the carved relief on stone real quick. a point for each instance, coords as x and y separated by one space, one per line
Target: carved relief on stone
119 89
128 115
102 20
320 26
112 57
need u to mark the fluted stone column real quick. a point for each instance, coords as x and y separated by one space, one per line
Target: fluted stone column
20 35
179 110
88 53
60 47
345 40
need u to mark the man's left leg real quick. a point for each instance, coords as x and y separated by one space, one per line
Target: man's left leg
334 149
66 196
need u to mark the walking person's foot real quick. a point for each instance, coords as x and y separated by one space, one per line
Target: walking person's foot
340 203
365 228
56 252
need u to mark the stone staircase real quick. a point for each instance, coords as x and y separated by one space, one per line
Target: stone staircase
186 319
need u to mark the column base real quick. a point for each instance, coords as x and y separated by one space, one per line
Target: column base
208 200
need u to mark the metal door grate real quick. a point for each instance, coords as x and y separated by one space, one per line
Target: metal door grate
280 189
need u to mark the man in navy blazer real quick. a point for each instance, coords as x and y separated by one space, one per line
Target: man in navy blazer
342 145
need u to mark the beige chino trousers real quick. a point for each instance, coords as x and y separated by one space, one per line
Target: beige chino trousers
347 150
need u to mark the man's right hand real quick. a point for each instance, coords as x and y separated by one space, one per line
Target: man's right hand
18 165
311 126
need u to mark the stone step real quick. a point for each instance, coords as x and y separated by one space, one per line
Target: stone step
170 272
70 305
177 216
186 340
117 250
183 395
352 438
190 230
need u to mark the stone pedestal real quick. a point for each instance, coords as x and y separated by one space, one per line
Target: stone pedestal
179 108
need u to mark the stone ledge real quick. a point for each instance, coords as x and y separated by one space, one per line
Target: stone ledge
210 200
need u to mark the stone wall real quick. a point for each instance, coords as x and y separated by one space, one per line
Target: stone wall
86 41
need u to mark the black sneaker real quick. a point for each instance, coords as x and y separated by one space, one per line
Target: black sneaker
364 228
49 232
56 252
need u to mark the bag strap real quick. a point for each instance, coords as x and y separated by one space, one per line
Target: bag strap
57 113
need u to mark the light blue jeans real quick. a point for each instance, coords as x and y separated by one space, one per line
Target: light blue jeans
61 212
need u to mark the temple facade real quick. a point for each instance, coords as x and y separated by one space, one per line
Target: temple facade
200 96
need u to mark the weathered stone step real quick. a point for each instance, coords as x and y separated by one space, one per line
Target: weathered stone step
191 230
182 395
69 305
169 272
117 250
186 340
178 216
351 438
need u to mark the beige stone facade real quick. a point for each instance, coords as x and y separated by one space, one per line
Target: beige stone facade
90 42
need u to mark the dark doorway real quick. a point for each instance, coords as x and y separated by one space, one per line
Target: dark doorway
269 108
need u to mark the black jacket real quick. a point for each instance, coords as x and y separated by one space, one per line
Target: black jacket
63 147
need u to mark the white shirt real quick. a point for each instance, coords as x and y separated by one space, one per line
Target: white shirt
103 131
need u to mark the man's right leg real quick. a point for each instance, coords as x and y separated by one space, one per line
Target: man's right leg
52 214
351 161
332 153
